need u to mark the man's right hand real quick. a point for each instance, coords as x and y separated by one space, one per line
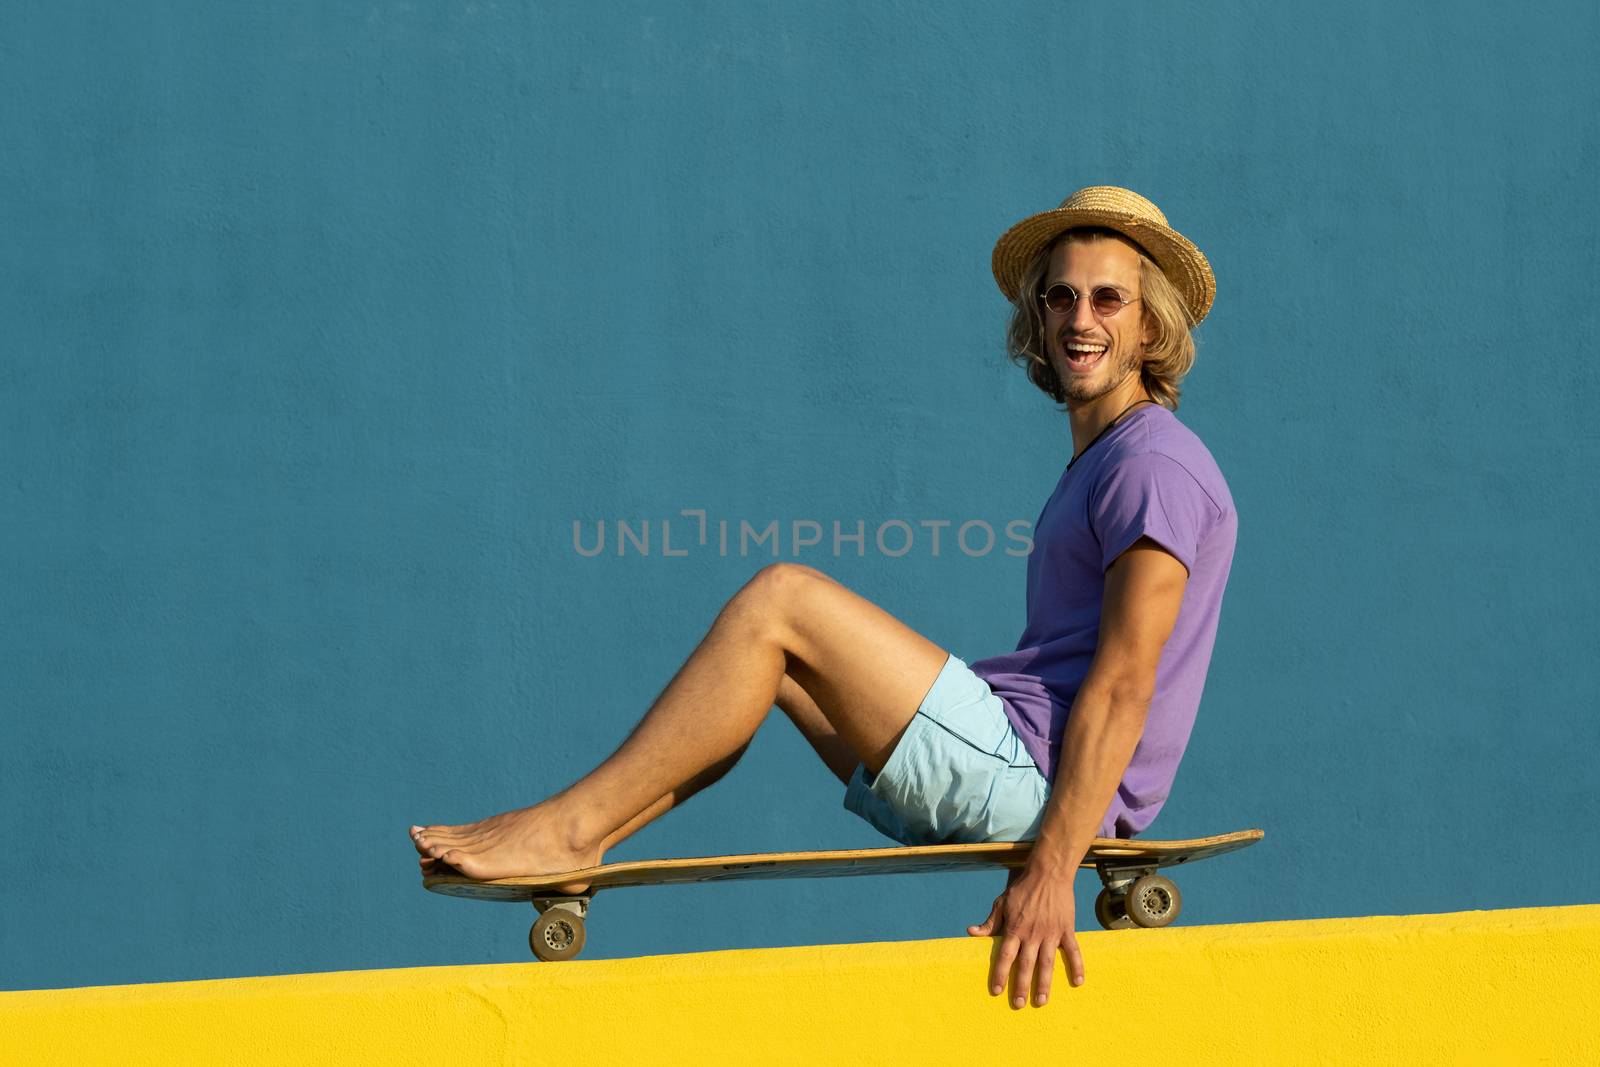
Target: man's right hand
1033 917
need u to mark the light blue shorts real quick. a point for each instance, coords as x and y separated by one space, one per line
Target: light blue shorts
958 774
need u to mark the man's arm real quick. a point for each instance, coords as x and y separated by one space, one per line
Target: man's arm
1143 592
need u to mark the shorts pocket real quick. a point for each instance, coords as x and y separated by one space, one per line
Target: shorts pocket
1016 808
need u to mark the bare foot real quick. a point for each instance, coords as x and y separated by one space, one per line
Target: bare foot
527 842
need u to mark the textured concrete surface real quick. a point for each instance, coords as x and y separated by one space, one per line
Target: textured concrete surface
1472 987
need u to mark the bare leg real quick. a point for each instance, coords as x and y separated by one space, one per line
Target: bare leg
863 670
802 711
809 719
805 714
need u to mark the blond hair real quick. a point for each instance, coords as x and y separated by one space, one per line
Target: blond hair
1167 358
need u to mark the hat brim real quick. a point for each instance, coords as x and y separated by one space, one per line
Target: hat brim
1183 264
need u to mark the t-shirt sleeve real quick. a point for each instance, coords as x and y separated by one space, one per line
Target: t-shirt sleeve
1151 495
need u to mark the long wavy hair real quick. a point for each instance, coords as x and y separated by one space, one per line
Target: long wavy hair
1167 358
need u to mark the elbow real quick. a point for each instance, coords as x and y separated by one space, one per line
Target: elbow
1130 698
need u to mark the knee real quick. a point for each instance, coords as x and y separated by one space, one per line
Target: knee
771 597
781 582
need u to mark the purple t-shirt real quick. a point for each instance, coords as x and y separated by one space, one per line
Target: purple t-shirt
1149 476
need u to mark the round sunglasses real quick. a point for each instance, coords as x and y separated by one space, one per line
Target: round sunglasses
1105 301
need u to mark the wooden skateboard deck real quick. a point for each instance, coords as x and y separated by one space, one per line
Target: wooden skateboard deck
1133 894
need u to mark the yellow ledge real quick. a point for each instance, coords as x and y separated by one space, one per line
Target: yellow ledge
1479 987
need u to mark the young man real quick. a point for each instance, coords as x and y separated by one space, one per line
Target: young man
1075 734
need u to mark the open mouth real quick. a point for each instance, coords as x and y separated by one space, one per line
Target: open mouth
1084 357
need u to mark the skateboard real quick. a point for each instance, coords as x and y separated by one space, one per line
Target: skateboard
1132 892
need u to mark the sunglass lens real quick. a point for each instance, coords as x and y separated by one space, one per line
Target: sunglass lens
1060 298
1107 301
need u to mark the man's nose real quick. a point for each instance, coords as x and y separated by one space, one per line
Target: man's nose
1082 320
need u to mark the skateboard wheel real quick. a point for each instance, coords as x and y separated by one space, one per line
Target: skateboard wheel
556 935
1153 901
1110 909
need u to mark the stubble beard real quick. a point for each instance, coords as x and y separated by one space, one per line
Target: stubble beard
1121 362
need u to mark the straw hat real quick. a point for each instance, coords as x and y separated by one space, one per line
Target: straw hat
1129 214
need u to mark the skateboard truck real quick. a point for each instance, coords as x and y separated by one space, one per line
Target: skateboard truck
557 933
1135 896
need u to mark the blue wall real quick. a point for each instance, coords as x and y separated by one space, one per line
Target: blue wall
323 323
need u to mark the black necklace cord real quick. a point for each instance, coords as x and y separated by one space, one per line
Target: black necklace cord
1108 426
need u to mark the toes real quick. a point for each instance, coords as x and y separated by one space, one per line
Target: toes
436 834
431 842
428 843
470 864
437 849
461 861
